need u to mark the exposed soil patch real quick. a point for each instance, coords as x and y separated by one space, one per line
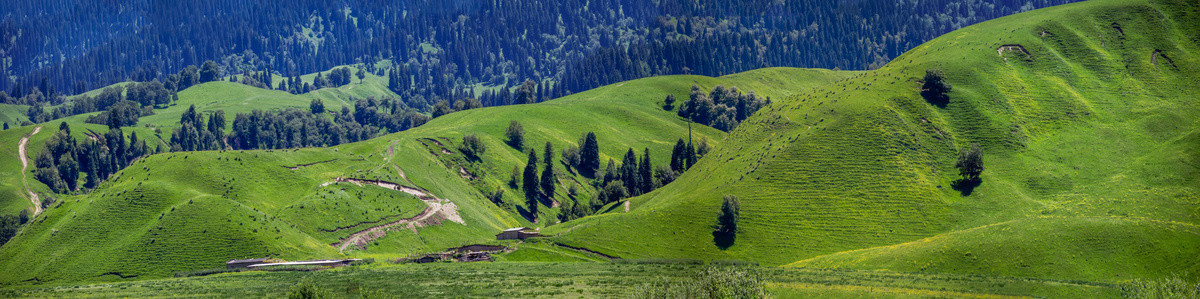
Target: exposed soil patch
406 189
92 135
1012 47
466 174
33 197
309 164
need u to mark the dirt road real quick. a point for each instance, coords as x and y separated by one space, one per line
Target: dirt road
33 197
438 210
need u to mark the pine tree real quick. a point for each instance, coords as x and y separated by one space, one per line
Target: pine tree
516 135
678 159
589 155
530 185
629 173
548 179
646 173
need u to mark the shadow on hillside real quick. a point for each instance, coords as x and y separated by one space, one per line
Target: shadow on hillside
525 213
966 186
723 240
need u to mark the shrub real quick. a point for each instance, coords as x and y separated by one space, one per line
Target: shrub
1172 287
935 88
306 289
516 135
970 162
9 225
725 232
24 216
472 147
712 282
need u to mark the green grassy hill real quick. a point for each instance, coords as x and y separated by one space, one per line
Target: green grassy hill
207 97
13 115
1090 140
193 210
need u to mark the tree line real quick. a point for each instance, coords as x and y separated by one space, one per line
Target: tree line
447 46
633 175
63 160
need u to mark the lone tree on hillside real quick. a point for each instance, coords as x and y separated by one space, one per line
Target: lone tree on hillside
472 147
725 232
935 88
516 135
362 75
970 163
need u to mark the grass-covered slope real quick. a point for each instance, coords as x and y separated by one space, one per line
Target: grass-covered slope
623 116
193 210
1090 140
208 97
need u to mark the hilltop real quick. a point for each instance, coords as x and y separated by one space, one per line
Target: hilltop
1087 118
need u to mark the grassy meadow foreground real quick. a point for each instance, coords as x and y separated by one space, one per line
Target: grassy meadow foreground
1086 113
573 280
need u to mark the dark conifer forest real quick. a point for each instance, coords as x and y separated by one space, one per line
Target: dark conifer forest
441 47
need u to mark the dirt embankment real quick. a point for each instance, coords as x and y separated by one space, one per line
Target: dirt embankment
437 210
33 197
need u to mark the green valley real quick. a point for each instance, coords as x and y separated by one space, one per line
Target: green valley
1050 153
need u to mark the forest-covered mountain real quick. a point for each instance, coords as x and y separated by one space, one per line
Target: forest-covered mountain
70 46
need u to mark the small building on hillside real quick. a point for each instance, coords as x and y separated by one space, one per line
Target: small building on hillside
321 263
231 264
517 233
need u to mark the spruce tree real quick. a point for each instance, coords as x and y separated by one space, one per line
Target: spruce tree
516 135
548 180
530 185
629 173
646 173
678 161
589 155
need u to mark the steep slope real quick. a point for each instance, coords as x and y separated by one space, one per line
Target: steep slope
193 210
1087 117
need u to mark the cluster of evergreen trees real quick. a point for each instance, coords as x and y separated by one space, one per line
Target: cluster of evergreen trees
61 162
122 114
292 128
144 96
194 134
722 108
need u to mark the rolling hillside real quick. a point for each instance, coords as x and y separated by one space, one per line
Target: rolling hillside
193 210
207 97
1087 117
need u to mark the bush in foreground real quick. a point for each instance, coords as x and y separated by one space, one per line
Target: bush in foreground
1173 287
712 282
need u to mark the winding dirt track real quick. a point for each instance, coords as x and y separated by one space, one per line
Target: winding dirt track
438 210
33 197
